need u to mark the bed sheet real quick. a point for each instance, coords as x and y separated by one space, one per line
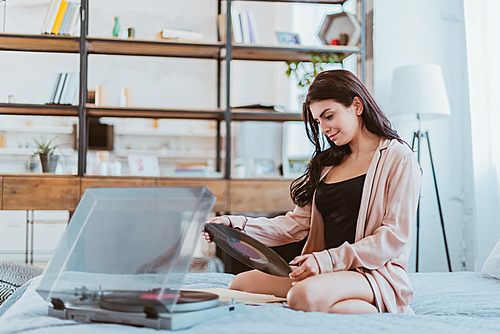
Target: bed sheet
462 302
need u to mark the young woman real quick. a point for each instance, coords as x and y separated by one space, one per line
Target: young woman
356 204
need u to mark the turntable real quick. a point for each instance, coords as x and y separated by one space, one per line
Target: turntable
124 256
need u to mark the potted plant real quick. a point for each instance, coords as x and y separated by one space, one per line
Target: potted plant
45 150
305 74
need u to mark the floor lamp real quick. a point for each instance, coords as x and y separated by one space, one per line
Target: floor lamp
419 90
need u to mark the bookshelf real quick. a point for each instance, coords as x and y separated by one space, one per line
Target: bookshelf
152 48
284 53
37 109
39 43
221 53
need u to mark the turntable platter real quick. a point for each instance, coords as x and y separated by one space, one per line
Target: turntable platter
137 301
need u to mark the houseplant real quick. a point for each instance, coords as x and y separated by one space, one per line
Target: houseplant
305 72
45 150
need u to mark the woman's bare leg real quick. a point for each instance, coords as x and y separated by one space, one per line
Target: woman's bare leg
255 281
345 292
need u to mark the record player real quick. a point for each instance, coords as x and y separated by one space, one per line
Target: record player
124 256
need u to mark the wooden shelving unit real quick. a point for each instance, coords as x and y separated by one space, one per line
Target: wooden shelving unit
135 47
154 113
266 117
39 43
222 53
325 2
285 53
37 109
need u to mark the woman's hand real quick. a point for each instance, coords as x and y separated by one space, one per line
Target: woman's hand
216 220
308 266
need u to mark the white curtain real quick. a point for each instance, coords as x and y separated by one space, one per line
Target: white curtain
483 53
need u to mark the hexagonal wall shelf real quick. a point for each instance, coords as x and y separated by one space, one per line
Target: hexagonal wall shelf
340 23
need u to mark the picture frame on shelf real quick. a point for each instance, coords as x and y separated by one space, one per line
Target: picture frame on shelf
295 166
264 168
143 165
288 38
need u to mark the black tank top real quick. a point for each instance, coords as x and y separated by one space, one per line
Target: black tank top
339 205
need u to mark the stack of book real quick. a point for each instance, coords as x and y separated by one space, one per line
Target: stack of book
244 27
180 35
194 170
63 88
62 18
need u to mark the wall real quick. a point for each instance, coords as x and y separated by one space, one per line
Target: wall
407 32
483 53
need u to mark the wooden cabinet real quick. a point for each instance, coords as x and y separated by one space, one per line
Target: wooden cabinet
272 196
216 187
40 193
122 182
53 192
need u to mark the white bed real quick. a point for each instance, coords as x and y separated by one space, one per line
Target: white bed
462 302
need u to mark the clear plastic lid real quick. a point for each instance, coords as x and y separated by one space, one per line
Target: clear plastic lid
125 240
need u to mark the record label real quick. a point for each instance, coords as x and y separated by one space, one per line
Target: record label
249 251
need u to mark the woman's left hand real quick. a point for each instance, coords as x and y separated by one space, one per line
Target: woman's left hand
308 266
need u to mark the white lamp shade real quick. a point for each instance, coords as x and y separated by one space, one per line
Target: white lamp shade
419 89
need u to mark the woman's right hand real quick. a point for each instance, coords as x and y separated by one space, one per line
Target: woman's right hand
216 220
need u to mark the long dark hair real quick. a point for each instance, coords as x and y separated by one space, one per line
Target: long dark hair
341 86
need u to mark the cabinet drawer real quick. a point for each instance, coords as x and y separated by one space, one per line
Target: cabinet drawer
216 187
41 193
260 196
95 182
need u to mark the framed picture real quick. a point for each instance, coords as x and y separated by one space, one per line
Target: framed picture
288 38
143 165
294 167
264 167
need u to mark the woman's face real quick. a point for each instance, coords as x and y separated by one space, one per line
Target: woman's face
339 123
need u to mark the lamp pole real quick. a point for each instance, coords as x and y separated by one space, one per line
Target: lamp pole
418 135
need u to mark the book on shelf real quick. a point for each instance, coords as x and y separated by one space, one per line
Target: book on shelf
180 34
61 18
258 107
74 23
254 33
63 88
236 26
243 27
70 89
51 93
68 16
50 16
59 89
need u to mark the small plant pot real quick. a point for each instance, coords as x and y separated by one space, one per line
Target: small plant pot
49 165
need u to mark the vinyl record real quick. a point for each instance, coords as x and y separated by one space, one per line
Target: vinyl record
247 250
137 301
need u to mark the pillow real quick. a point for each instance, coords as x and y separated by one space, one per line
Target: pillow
13 276
206 265
491 267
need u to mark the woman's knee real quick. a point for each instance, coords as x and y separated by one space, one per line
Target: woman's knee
240 281
302 297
